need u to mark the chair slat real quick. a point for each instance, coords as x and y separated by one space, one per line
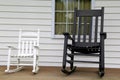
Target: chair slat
96 28
90 30
79 28
22 49
84 29
30 47
34 44
26 47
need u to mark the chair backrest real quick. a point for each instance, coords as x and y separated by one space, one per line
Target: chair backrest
27 41
87 25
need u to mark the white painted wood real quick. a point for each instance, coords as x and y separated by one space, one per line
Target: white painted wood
35 16
113 35
112 22
23 51
44 34
112 16
24 9
112 29
12 28
21 3
112 48
27 22
107 3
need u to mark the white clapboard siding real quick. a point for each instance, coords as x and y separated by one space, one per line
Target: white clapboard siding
112 22
46 3
112 27
113 35
111 41
16 33
25 9
110 3
24 27
27 22
30 15
112 16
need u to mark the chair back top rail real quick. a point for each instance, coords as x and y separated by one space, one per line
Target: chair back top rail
89 24
27 41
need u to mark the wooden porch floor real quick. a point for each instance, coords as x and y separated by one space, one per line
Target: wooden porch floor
54 73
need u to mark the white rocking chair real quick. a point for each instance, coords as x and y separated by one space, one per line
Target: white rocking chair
28 47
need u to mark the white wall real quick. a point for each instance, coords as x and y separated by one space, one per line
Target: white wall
28 15
34 14
112 27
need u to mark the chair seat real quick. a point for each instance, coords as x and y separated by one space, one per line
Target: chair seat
86 48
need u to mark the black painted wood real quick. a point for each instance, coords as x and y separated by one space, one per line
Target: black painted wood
87 27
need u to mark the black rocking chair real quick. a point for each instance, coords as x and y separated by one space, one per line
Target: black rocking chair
87 39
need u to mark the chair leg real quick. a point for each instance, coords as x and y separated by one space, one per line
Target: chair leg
37 67
72 59
8 64
101 64
35 64
64 70
13 70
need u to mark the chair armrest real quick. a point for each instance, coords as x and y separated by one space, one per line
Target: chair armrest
103 34
36 47
68 36
11 47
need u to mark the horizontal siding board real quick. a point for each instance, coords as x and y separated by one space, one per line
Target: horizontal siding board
112 29
111 41
8 40
112 10
112 22
111 54
45 34
21 3
24 21
12 33
108 3
112 65
112 16
112 60
10 28
16 33
25 16
112 48
24 9
113 35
